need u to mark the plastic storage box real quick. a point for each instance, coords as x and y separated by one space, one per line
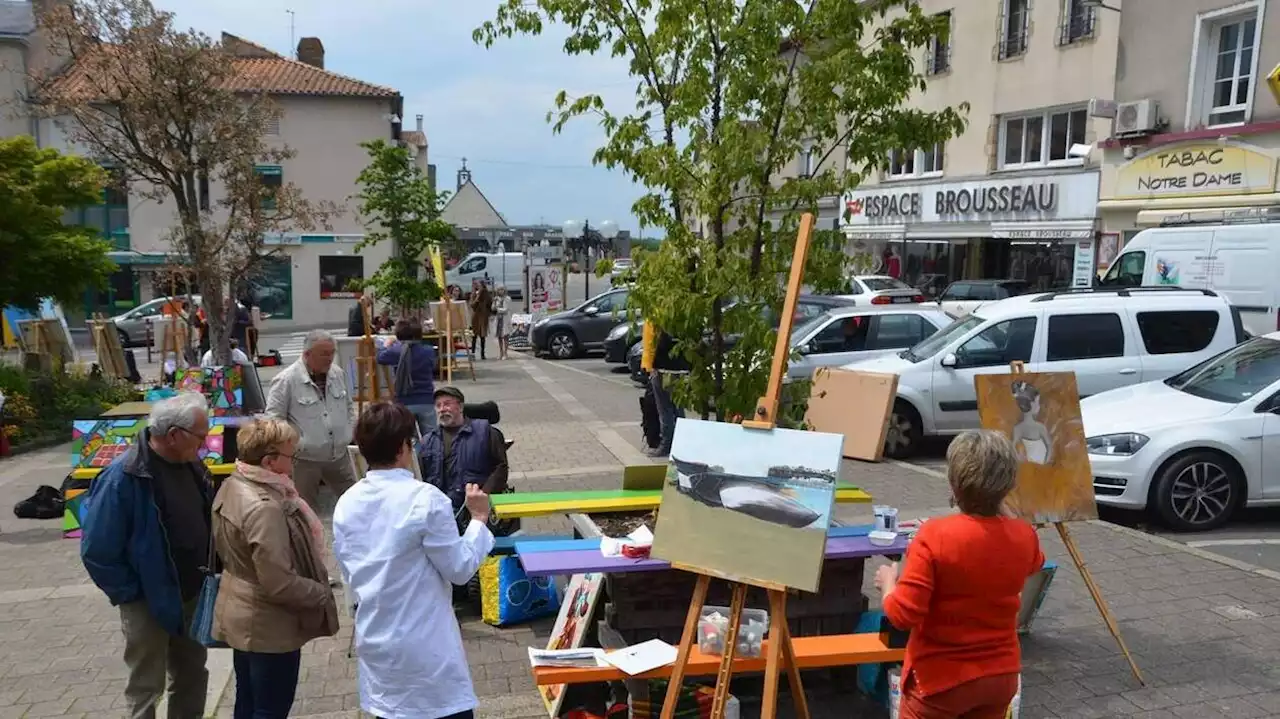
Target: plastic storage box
713 626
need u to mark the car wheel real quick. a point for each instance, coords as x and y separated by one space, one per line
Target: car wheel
902 440
562 344
1198 491
124 337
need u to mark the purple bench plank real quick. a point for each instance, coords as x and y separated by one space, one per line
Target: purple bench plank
581 561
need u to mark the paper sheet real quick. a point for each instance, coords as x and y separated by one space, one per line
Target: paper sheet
643 657
585 657
639 537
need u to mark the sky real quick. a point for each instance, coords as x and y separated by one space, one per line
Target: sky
488 106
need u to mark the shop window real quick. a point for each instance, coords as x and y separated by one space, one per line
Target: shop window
1043 138
916 163
1079 20
111 216
1225 73
272 179
1177 332
938 61
339 275
1078 337
1014 26
270 288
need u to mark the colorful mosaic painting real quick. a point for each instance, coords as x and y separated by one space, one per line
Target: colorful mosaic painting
223 386
71 512
97 442
213 451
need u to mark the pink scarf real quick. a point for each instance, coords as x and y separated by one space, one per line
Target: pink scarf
284 485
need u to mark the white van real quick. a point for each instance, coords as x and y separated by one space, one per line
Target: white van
504 268
1238 260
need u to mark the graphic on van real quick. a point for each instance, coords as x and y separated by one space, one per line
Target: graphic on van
1166 272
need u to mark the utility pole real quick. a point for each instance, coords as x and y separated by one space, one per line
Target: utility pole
293 45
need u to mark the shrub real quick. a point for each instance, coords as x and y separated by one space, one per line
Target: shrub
40 406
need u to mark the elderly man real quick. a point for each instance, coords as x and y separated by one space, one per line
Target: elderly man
312 395
145 538
460 451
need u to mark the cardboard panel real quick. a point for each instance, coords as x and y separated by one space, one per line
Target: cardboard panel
854 404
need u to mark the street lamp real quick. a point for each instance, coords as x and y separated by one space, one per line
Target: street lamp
582 231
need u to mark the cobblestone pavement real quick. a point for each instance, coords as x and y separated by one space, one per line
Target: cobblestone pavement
1205 630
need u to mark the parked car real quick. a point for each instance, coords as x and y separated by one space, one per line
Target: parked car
1109 338
962 297
132 325
621 266
880 290
1195 447
847 334
581 329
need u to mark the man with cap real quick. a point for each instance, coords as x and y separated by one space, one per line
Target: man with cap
461 451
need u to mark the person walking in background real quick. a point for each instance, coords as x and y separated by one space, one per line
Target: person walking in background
312 395
145 537
399 547
274 596
238 320
415 372
667 364
501 308
481 306
961 588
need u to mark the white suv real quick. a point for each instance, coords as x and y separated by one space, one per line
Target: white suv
1109 338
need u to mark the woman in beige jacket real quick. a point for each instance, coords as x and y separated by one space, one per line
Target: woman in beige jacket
274 595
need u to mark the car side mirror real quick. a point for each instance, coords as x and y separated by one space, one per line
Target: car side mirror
949 360
808 348
591 311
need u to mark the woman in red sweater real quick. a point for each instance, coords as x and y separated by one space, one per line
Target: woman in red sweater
960 590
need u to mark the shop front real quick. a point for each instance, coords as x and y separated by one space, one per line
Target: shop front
1040 228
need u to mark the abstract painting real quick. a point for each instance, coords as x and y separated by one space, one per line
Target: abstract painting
215 447
1040 412
748 505
571 627
222 386
97 442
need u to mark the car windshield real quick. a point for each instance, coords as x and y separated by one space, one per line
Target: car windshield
807 327
933 345
1235 375
875 284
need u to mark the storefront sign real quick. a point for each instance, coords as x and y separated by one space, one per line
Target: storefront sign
1082 274
1070 196
1196 170
998 199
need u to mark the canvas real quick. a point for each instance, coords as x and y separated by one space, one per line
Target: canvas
97 442
571 627
222 386
1040 412
748 505
834 391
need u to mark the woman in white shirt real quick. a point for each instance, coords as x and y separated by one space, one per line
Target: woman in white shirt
237 356
397 541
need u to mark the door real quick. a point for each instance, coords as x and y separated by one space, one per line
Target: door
1127 270
955 402
597 319
1096 347
840 342
1242 267
1173 340
891 333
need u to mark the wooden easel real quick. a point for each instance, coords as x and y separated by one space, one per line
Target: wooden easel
106 344
1017 367
778 649
368 381
174 339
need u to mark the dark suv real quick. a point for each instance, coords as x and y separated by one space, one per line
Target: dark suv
583 328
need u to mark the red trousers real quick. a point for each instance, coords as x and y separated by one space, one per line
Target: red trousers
985 698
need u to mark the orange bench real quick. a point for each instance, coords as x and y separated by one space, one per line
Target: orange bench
837 650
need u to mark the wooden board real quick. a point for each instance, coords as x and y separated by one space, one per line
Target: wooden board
217 470
837 650
844 495
855 404
129 409
644 476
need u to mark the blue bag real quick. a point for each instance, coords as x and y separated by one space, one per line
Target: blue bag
201 629
508 596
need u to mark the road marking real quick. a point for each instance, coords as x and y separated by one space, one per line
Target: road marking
926 471
620 448
570 368
1234 542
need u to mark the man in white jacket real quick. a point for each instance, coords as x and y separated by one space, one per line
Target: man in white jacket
397 541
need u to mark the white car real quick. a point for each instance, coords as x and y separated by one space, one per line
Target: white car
965 296
843 335
1194 447
880 290
1109 338
621 266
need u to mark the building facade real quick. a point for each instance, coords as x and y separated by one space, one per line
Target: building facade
1015 195
1197 130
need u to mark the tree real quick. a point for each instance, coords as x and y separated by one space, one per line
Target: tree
398 202
729 94
42 256
161 106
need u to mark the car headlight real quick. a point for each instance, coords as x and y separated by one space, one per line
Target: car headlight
619 332
542 322
1124 444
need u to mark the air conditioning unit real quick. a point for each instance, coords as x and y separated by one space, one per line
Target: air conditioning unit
1136 118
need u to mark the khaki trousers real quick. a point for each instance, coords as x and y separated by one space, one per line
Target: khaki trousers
150 653
308 475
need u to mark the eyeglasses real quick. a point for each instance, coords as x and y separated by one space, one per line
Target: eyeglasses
201 437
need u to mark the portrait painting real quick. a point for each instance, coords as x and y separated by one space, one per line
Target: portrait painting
1040 412
571 627
748 505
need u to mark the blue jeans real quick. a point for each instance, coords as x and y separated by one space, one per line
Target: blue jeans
668 412
426 414
265 684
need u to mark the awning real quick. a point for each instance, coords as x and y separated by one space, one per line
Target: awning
1182 204
1153 218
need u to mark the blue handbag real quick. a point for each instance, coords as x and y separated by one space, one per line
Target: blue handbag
201 629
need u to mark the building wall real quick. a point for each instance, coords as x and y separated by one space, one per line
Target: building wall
13 82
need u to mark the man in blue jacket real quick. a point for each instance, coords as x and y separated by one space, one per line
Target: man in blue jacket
145 523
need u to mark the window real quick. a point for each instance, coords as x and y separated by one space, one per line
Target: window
111 216
806 311
939 58
475 264
272 178
1235 376
808 160
999 344
1127 271
1013 30
1042 139
272 125
893 332
270 288
876 284
1077 337
338 275
1231 56
918 163
848 334
956 292
1078 22
1176 332
610 302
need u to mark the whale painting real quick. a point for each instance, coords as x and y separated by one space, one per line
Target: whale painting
748 505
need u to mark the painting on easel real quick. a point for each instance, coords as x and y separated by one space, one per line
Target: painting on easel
222 386
571 628
747 505
98 442
1040 412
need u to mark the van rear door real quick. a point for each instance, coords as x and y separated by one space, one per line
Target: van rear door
1178 257
1243 266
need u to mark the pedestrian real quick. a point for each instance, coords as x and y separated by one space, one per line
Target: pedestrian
145 537
459 451
501 307
399 547
274 596
238 320
312 395
667 365
238 357
961 589
481 306
415 372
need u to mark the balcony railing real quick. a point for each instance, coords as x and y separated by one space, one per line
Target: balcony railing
1012 45
938 60
1080 25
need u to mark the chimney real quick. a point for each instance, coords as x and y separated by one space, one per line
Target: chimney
419 118
311 51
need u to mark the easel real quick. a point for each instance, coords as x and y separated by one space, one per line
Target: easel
368 379
106 344
174 339
1017 367
778 649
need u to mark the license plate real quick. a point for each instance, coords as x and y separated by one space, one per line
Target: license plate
902 300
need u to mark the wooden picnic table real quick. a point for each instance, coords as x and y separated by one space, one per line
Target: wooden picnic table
129 409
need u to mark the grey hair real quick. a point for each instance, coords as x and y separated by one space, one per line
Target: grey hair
315 337
178 412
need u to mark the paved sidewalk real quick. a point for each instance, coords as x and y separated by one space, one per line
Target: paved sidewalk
1205 633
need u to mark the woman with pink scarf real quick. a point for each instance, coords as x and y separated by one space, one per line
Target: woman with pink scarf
274 596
